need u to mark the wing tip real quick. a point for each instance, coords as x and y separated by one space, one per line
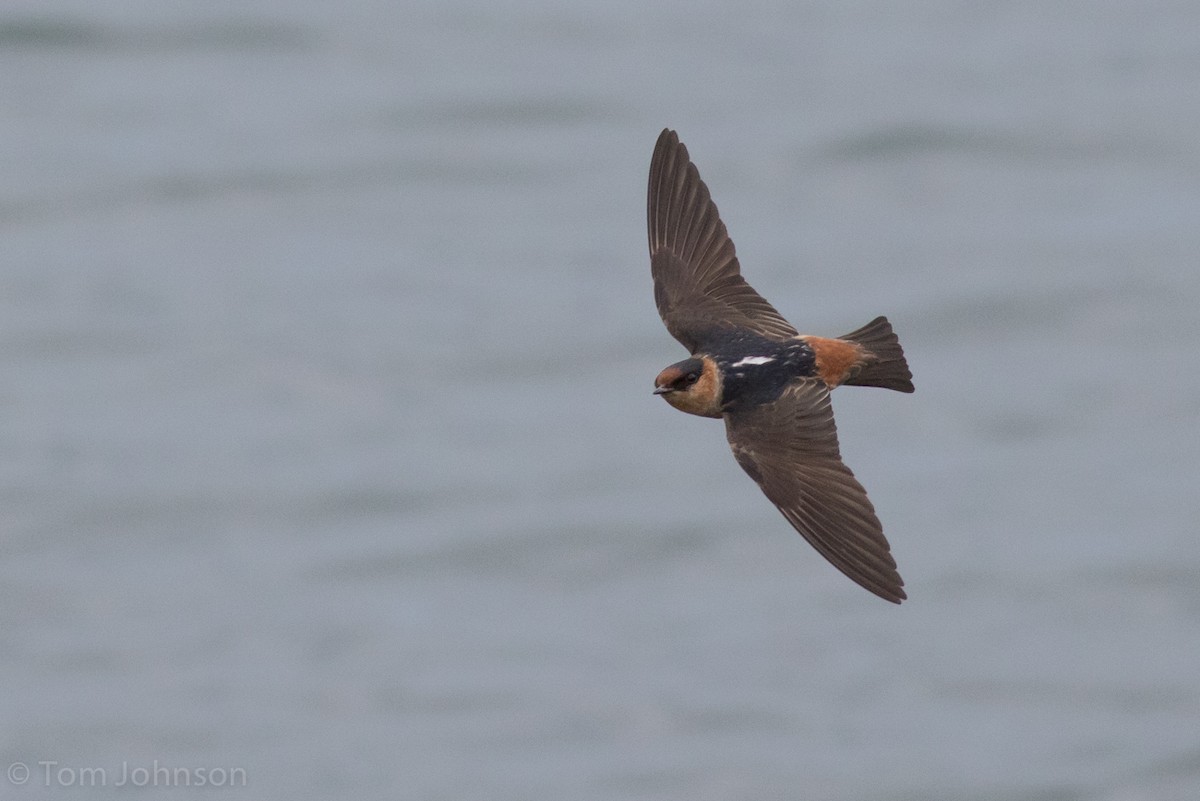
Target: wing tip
668 141
885 584
889 587
895 595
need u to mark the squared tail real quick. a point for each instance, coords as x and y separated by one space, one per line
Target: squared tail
885 366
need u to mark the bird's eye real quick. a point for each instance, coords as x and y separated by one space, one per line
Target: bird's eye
692 378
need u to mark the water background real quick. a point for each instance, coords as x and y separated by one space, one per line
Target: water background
327 449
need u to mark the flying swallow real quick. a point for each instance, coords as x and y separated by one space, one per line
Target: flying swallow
769 382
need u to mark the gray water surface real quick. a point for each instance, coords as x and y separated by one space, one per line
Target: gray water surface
328 454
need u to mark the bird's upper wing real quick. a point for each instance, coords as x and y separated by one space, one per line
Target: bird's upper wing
698 284
790 447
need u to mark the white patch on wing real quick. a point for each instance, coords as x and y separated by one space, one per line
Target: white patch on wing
754 360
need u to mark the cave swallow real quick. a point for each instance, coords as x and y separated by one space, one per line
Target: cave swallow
769 382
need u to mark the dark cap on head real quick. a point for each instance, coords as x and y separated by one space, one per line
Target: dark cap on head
679 376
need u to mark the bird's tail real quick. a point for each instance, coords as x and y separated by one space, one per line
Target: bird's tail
888 368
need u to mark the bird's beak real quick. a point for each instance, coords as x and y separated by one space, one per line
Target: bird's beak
662 390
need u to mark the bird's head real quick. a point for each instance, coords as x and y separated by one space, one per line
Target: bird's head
692 386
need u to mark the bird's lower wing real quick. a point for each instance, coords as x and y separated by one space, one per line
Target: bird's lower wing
790 448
